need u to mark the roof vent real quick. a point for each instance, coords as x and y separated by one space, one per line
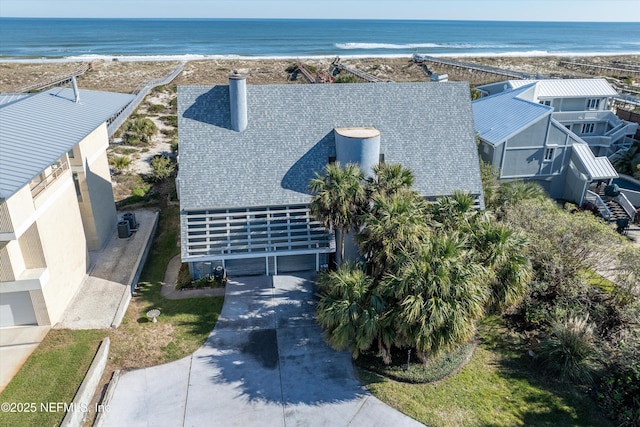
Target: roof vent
76 92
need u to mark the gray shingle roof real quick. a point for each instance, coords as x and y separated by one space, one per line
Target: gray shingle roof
500 116
37 130
427 127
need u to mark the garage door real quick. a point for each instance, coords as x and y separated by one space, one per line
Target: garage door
16 309
292 263
246 267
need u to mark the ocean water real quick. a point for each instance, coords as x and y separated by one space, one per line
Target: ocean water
26 39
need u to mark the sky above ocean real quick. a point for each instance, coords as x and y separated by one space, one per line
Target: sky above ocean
505 10
151 39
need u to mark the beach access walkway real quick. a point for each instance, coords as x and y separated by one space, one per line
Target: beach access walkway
114 123
264 364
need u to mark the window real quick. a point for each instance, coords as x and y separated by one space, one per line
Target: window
546 102
76 183
70 154
381 158
548 154
593 104
588 127
332 160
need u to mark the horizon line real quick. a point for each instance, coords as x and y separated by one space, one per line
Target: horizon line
316 19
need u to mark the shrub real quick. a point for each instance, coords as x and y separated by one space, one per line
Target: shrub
169 120
138 131
170 132
417 372
619 390
570 350
619 395
345 78
156 108
141 189
120 163
162 167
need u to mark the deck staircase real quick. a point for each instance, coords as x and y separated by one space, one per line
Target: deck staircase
616 209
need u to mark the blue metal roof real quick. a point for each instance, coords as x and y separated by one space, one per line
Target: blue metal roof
503 115
10 98
37 130
427 127
596 167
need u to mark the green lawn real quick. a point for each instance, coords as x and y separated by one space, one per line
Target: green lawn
182 326
56 369
53 373
500 386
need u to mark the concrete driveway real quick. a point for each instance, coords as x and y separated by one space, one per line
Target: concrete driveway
264 364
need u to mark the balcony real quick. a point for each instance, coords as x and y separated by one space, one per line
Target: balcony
29 280
586 116
39 184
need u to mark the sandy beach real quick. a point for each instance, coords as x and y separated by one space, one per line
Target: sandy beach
120 76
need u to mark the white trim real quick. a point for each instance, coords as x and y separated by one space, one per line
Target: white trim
250 255
546 175
532 147
30 280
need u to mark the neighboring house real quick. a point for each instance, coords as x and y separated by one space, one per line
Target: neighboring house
521 136
581 105
56 199
248 153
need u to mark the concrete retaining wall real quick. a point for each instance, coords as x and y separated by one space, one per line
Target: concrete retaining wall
87 389
142 258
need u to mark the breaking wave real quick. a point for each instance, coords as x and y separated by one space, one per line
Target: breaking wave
354 46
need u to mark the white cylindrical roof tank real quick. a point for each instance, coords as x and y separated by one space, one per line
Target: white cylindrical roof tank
358 145
238 101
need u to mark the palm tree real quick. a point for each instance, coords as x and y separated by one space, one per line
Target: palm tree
393 224
629 163
338 199
453 211
510 193
390 178
440 293
503 252
352 312
139 131
120 163
489 175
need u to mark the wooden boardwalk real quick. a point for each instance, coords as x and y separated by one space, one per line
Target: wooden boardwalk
55 81
471 67
336 64
621 68
114 123
320 77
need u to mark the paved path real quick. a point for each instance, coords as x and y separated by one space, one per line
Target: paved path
264 364
169 291
104 296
